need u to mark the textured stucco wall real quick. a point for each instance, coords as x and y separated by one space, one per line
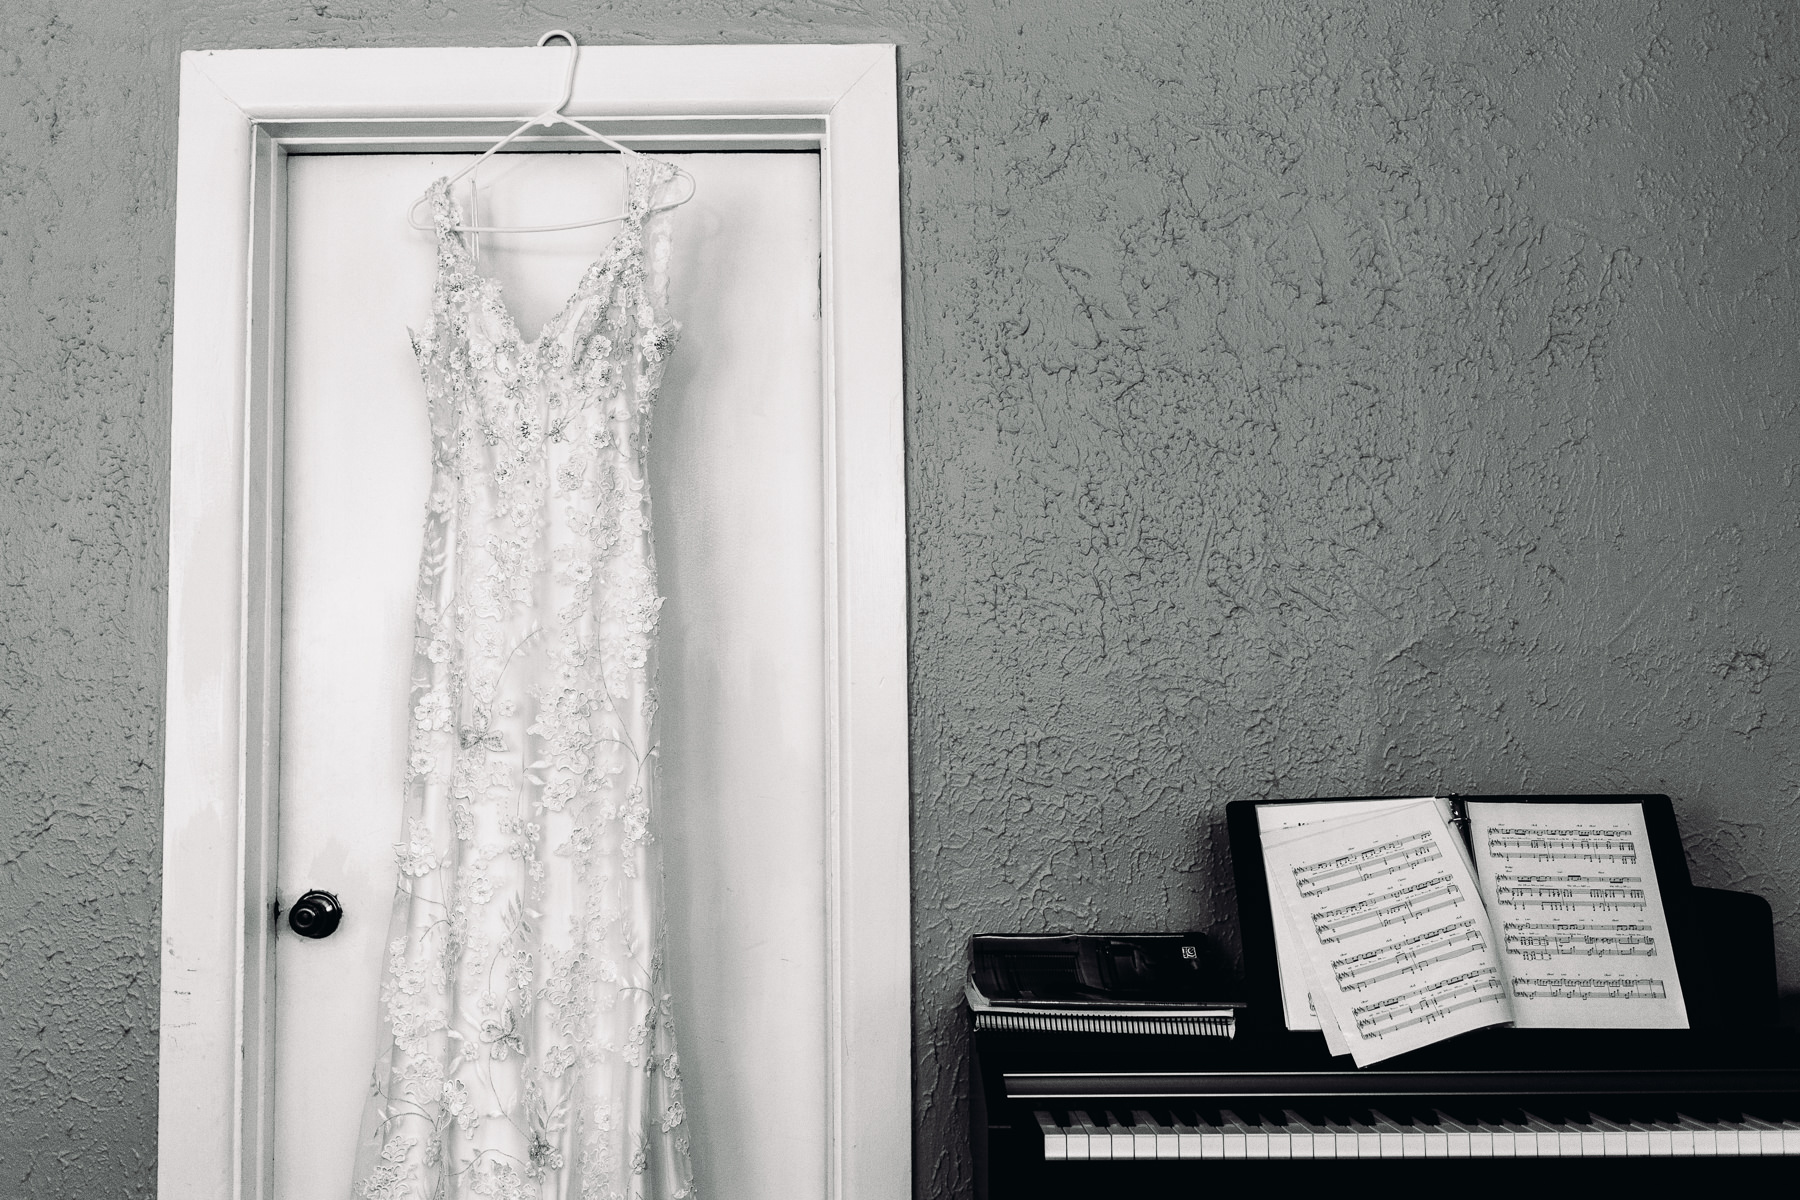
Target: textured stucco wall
1302 399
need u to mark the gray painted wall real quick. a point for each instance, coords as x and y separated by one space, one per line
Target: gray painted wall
1302 399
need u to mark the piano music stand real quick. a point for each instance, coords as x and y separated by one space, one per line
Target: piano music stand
1256 922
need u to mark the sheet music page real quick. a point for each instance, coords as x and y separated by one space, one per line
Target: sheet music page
1297 1006
1305 983
1573 895
1389 915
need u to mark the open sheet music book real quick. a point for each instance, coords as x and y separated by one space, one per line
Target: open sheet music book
1401 922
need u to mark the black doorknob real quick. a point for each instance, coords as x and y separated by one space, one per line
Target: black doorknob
315 915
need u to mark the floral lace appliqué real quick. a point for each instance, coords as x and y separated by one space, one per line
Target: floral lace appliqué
528 1040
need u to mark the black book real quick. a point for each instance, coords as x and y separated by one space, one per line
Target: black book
1145 983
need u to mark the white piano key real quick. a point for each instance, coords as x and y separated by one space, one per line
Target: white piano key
1764 1135
1662 1138
1746 1140
1256 1138
1590 1139
1187 1137
1565 1137
1345 1141
1260 1133
1790 1137
1300 1135
1099 1140
1163 1143
1281 1142
1617 1139
1368 1140
1681 1139
1143 1134
1080 1146
1389 1134
1056 1141
1457 1138
1237 1139
1638 1137
1547 1140
1124 1145
1212 1138
1521 1140
1397 1140
1100 1136
1705 1138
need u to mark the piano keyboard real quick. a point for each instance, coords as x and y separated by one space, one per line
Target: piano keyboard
1085 1134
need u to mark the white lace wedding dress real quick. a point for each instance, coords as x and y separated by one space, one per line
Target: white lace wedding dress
528 1049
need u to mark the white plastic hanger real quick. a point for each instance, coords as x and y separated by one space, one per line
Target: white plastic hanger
550 116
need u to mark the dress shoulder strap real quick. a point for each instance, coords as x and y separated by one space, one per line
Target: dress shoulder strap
644 176
445 219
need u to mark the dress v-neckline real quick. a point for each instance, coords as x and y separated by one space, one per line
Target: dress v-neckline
443 207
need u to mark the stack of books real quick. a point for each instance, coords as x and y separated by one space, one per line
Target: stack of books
1156 983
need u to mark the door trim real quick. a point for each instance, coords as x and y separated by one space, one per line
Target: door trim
243 113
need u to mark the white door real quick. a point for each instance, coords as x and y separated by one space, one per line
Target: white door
737 483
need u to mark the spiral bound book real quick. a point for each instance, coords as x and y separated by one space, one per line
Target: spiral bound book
1098 983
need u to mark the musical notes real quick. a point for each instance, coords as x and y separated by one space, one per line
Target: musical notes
1583 934
1571 893
1384 918
1357 972
1377 862
1389 908
1530 940
1590 989
1431 1002
1562 845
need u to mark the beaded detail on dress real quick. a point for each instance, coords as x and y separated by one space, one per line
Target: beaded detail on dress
528 1048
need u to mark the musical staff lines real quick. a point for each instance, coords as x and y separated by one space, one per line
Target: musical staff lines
1358 972
1535 940
1430 1002
1558 988
1349 870
1390 908
1571 893
1511 843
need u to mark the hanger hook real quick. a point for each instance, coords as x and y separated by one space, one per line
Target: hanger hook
568 87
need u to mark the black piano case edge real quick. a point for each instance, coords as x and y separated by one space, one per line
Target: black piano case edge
1723 940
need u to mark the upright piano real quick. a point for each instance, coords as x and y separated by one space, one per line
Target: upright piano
1717 1104
1103 1115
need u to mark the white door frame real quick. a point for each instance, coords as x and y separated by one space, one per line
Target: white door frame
243 112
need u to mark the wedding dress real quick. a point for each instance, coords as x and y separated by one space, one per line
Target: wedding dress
528 1049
